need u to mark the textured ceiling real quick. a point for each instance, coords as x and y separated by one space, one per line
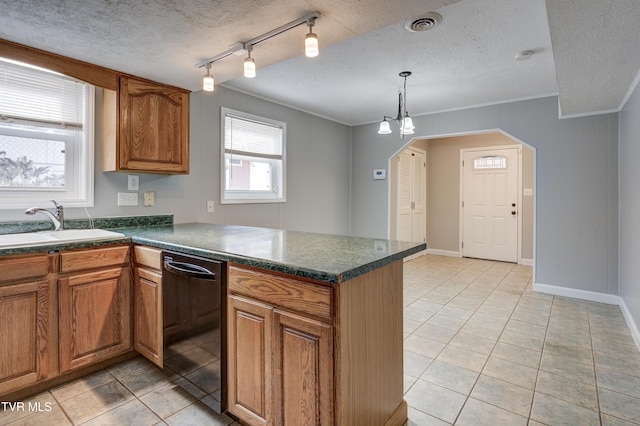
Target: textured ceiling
598 56
466 60
590 45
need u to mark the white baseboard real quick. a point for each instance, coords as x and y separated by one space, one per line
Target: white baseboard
593 297
443 252
526 262
577 294
630 322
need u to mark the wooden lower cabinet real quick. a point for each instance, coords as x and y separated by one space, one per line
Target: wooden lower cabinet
95 316
24 329
250 363
303 376
147 314
302 352
280 364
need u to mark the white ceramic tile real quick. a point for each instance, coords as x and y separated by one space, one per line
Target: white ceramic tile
435 400
478 413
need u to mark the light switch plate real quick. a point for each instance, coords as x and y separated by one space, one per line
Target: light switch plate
127 198
133 182
528 192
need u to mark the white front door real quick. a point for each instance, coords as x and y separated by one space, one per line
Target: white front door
489 204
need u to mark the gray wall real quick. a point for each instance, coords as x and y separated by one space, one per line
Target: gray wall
318 173
630 205
576 188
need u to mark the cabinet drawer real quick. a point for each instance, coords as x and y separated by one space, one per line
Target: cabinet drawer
148 256
24 267
281 291
71 261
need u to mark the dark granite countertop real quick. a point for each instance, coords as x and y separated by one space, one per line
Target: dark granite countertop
323 257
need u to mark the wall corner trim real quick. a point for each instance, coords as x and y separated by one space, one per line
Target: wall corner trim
593 297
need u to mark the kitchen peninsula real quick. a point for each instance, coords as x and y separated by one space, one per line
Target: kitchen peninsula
314 321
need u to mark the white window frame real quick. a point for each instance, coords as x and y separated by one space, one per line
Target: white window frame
278 194
79 165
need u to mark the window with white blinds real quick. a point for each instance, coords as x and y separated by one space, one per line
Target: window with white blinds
46 137
32 95
253 158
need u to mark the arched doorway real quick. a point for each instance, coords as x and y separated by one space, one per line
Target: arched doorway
443 191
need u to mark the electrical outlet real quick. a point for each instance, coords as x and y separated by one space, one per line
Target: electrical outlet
133 182
127 198
149 198
210 206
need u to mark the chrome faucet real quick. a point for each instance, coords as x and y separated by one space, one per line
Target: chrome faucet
57 218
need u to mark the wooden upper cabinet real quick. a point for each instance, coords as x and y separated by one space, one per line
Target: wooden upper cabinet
146 128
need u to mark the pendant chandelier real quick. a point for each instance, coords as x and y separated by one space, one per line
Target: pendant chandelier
404 121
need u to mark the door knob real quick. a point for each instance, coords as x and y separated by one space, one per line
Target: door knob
513 212
513 204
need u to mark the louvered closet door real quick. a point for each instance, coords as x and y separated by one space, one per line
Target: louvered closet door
411 196
405 220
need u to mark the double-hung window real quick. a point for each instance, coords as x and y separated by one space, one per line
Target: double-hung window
253 159
46 137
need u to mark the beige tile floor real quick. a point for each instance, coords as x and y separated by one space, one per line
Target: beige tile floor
480 349
136 392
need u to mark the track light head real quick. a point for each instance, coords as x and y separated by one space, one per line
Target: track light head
207 80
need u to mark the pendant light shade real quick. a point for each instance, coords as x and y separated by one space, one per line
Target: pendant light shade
249 64
249 68
311 48
407 126
207 81
384 129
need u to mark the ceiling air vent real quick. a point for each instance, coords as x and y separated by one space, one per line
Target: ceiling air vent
423 23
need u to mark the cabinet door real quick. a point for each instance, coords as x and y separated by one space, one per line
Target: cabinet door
95 317
23 334
250 363
147 315
303 370
154 127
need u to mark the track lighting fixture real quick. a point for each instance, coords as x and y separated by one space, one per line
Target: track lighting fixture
310 48
249 64
207 81
404 121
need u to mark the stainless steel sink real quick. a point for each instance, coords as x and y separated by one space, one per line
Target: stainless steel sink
51 237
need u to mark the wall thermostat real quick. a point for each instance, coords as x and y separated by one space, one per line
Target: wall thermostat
379 173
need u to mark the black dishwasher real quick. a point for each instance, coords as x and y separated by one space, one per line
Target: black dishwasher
194 322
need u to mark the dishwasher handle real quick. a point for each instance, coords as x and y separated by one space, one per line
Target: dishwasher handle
189 270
